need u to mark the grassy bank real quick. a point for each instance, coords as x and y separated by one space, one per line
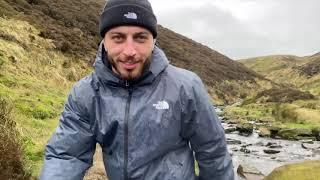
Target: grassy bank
308 170
37 79
298 115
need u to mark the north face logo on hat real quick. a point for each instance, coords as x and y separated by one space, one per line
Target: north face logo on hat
131 15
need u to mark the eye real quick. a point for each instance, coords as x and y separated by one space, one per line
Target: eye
141 38
117 38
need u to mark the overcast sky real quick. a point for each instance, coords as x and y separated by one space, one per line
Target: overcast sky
245 28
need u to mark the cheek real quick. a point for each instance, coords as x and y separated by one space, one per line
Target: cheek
146 51
113 52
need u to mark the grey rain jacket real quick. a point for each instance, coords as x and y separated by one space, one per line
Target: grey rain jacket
148 129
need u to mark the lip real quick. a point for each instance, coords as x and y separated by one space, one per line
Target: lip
129 65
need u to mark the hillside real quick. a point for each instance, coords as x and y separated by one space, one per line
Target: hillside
36 79
268 64
72 26
46 46
297 72
311 67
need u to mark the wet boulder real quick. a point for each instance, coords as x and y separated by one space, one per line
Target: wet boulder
309 141
316 133
264 132
272 145
245 150
249 172
233 141
245 129
229 130
310 146
295 134
271 151
274 132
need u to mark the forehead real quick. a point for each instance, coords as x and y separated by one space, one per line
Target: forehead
128 30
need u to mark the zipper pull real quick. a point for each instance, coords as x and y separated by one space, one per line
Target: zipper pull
127 84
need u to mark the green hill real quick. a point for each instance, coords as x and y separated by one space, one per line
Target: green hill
297 72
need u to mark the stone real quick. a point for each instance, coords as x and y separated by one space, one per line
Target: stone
270 144
316 133
234 149
224 118
308 141
264 132
275 146
245 129
295 134
233 141
246 145
13 59
310 146
249 172
245 150
260 143
229 130
271 151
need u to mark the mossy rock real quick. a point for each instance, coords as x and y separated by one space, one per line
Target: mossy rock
295 134
264 132
308 170
316 133
245 129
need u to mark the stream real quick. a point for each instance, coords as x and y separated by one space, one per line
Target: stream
248 151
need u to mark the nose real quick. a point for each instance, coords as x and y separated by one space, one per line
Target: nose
129 49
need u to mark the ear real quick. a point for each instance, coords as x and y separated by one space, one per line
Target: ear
154 43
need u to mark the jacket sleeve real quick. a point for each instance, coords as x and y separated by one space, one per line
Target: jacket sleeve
70 150
206 135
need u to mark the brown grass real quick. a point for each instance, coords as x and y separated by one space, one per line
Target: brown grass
11 163
283 95
311 68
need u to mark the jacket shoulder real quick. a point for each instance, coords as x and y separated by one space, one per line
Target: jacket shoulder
183 77
82 93
83 84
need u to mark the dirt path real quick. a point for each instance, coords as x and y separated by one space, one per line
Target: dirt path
96 172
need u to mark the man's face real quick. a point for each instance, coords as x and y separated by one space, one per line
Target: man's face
129 50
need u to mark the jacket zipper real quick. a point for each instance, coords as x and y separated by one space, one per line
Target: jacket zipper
126 131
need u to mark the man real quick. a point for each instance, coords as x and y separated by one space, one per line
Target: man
149 117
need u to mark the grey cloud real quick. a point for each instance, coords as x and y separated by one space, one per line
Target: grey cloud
290 28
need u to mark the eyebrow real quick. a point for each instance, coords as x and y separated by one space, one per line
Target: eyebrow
141 33
135 34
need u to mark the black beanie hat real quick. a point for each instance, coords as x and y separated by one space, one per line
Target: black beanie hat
128 12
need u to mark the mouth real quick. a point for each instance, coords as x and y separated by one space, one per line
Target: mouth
129 65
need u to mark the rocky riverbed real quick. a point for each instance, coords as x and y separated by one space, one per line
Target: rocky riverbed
255 156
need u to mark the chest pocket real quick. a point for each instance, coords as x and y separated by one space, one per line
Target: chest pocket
164 111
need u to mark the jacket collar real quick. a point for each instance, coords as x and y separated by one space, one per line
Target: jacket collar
159 62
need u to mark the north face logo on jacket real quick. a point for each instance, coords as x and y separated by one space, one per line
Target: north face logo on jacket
161 105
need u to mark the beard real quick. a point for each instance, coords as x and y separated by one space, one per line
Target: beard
129 74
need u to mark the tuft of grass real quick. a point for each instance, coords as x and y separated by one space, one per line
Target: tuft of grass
282 95
292 113
251 112
11 159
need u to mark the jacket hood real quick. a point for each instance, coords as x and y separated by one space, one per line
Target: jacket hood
158 63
